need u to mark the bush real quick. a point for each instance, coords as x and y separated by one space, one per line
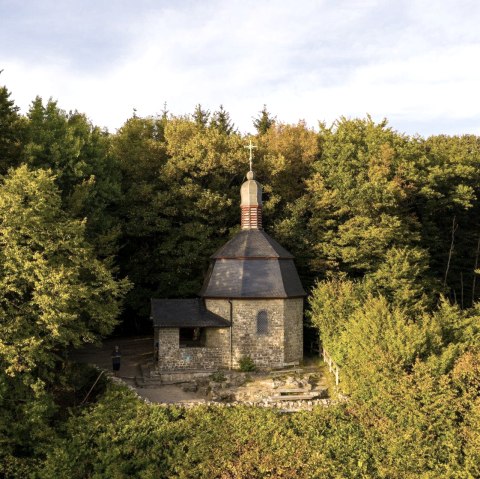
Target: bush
247 364
218 377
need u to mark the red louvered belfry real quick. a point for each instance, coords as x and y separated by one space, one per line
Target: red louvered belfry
251 217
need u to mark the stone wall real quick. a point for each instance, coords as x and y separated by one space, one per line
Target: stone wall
220 338
293 330
172 357
266 350
283 342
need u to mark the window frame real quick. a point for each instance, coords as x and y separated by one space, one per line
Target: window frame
262 325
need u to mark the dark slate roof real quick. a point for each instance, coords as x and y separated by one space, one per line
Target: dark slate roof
252 278
184 313
252 265
252 244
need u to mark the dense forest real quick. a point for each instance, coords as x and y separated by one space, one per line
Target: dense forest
385 229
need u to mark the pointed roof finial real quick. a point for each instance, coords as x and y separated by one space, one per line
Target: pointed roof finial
251 146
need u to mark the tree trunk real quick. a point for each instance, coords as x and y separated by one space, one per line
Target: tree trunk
454 228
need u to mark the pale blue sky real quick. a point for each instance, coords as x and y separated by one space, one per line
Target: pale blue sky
416 63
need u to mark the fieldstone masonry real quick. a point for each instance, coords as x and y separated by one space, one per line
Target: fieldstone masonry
252 303
283 342
171 356
293 327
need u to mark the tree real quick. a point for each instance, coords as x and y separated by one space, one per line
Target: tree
78 153
201 117
10 132
264 121
403 279
178 205
54 294
221 121
446 179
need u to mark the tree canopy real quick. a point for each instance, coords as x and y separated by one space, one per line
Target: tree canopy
385 229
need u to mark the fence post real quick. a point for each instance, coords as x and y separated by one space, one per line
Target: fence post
332 366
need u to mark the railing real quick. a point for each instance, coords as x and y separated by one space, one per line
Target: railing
332 366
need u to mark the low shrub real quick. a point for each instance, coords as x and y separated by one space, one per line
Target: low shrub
247 364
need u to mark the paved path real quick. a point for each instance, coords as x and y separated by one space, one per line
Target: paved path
135 351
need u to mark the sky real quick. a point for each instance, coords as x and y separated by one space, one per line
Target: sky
416 63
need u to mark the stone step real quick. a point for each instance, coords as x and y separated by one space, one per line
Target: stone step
286 371
297 397
291 390
293 364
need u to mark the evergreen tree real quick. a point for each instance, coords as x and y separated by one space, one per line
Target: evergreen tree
10 132
264 121
201 117
221 121
78 153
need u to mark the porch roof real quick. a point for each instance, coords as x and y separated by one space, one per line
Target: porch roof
184 313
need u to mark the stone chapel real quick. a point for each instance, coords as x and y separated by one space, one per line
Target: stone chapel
250 305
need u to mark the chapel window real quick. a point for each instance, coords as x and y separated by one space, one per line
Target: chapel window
262 323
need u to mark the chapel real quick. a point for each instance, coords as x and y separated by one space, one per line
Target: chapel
250 305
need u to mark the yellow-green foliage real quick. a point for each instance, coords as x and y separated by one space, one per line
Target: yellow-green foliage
411 376
424 426
393 219
122 437
54 294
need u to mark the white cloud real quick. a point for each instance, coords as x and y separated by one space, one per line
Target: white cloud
312 60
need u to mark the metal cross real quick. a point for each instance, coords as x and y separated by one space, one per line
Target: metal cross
251 146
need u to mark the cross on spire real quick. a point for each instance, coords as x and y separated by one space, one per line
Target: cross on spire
250 146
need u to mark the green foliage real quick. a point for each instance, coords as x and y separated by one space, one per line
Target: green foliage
406 371
331 304
435 435
402 279
178 184
371 337
360 196
221 121
54 294
11 131
246 364
86 174
264 122
218 377
201 117
122 437
382 224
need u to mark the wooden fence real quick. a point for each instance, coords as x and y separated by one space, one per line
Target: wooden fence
332 366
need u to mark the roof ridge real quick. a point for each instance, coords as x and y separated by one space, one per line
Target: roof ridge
252 244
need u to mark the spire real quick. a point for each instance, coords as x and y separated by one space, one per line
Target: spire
251 199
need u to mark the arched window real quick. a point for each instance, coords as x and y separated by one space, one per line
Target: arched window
262 322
